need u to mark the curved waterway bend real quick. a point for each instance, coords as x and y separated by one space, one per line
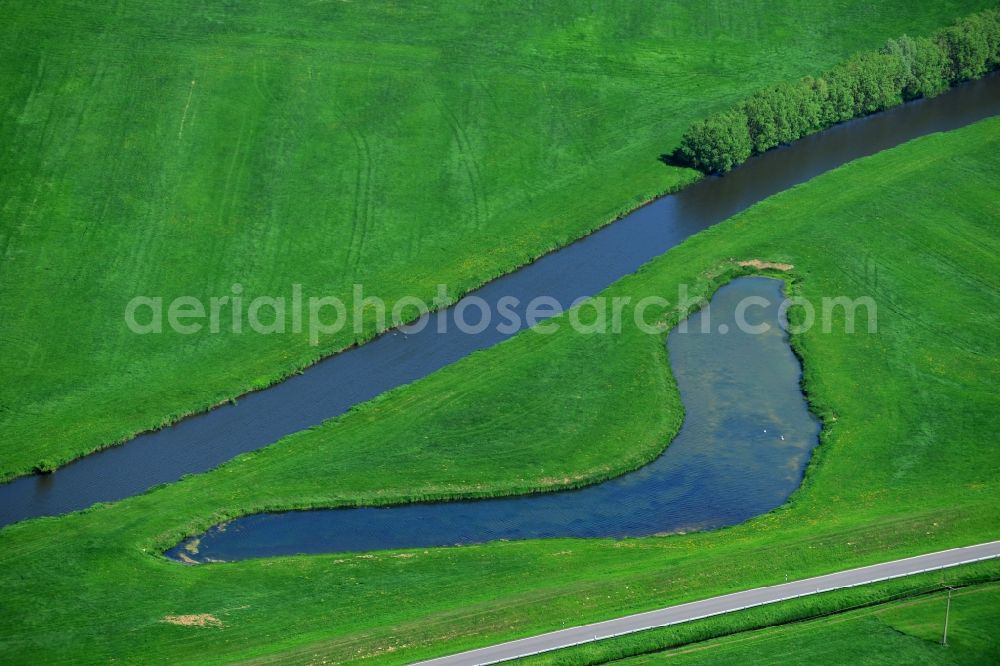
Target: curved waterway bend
581 269
742 450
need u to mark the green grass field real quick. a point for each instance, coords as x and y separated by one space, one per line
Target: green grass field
914 227
902 632
169 148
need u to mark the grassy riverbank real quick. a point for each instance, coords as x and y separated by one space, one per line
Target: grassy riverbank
906 464
168 148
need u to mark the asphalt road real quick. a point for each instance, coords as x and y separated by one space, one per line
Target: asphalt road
717 605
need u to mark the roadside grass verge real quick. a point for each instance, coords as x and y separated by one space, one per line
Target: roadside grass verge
842 626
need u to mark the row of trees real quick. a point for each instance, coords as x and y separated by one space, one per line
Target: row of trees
904 69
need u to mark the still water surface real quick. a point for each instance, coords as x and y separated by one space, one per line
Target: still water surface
742 450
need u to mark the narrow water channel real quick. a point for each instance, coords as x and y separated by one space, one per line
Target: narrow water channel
742 450
583 268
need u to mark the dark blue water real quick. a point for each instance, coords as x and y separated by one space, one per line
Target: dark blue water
742 450
583 268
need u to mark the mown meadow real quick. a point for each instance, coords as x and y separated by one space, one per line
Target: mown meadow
169 148
914 227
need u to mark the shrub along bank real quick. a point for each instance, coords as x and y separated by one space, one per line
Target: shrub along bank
903 70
